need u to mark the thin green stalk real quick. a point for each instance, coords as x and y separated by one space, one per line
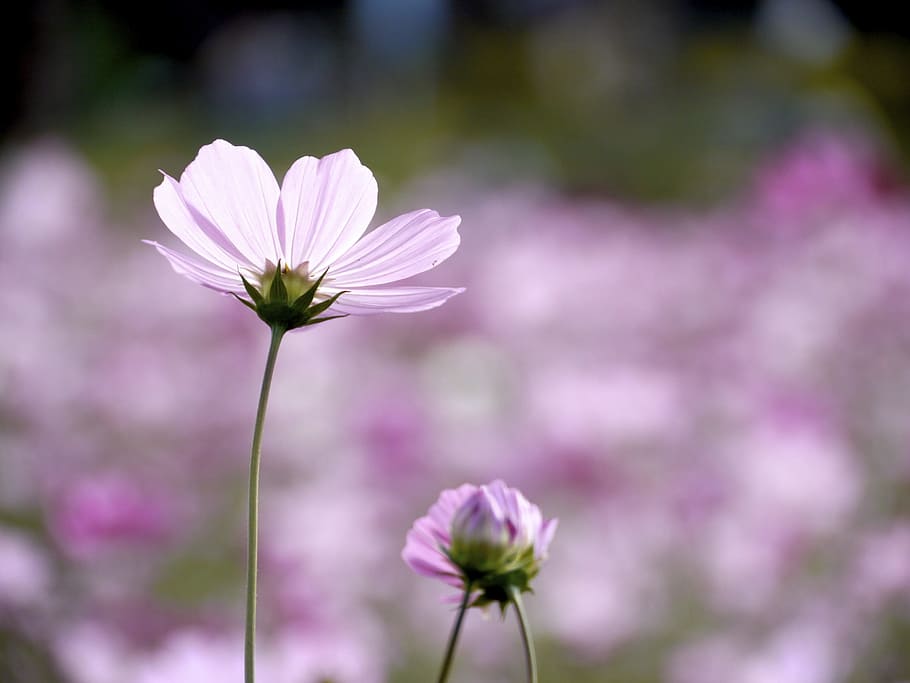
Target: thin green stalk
453 637
252 566
527 641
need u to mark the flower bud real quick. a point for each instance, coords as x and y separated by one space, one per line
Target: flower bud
481 539
489 539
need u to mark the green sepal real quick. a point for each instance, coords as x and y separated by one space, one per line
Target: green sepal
323 306
277 313
288 317
322 320
274 309
304 300
246 303
252 291
496 587
277 291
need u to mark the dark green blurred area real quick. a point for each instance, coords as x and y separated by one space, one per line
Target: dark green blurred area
642 100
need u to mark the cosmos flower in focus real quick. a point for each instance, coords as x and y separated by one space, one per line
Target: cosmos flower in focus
228 209
489 537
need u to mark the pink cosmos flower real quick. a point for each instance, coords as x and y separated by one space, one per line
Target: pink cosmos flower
489 535
228 208
102 511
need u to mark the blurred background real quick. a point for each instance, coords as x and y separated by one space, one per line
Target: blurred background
686 333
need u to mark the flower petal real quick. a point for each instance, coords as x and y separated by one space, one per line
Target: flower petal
421 550
542 545
405 246
390 299
213 277
193 229
325 206
234 189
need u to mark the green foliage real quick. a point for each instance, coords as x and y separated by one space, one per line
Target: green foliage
24 661
199 577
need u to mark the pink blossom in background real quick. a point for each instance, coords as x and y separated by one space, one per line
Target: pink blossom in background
393 428
239 223
819 175
600 600
801 651
349 652
289 657
882 566
190 656
25 571
93 654
324 536
33 219
104 511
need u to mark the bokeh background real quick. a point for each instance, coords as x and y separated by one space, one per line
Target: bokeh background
686 333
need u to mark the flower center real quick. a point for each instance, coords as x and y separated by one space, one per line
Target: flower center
296 280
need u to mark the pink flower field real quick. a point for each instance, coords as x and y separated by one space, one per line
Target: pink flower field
713 402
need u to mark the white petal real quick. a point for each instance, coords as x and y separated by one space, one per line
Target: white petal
326 205
403 247
391 299
193 229
202 273
235 190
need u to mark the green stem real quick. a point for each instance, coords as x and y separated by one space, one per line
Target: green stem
253 531
453 637
527 641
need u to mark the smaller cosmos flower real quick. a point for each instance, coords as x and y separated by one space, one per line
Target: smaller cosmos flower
295 252
486 538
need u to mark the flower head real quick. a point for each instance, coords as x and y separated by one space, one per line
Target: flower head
295 252
489 538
